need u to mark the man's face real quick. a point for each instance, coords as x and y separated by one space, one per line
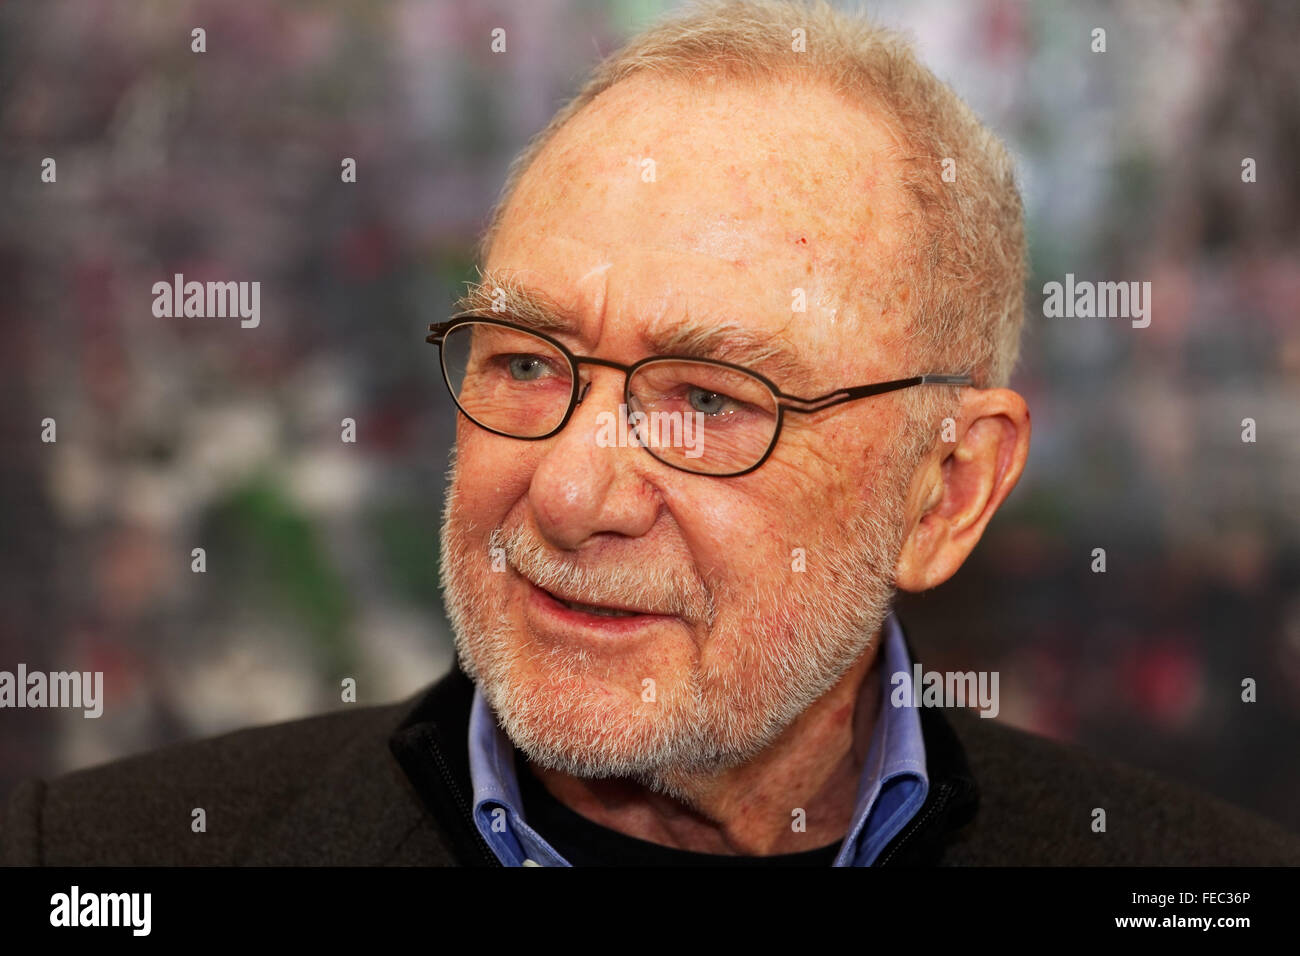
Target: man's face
767 586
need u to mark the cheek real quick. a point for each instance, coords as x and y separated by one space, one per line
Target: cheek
738 538
491 474
769 527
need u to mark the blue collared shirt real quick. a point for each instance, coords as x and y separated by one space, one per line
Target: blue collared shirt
891 790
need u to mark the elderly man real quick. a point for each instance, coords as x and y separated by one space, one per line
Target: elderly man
733 374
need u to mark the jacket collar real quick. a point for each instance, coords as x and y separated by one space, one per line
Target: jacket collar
431 745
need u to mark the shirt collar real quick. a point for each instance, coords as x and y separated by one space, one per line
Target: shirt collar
891 789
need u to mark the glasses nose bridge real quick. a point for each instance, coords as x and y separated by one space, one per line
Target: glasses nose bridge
580 361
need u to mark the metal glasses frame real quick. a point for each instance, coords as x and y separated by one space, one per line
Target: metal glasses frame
439 330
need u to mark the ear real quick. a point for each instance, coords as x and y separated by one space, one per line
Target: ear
960 485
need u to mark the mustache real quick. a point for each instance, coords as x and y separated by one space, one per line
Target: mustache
643 586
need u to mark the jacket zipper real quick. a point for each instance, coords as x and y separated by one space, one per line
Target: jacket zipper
941 801
460 802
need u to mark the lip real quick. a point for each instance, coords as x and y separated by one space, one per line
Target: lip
552 609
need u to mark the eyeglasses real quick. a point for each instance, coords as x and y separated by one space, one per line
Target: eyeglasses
702 416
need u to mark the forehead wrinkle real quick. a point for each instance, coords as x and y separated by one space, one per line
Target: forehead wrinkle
763 351
759 350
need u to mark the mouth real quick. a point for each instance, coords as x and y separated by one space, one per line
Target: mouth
594 608
600 616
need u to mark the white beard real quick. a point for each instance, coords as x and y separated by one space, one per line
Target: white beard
816 624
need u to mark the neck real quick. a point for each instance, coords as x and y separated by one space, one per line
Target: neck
814 765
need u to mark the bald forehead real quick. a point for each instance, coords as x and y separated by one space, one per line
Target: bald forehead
664 199
795 162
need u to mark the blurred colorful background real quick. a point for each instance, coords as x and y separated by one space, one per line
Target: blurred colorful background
322 556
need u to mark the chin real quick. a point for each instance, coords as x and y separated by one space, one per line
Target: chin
597 734
564 718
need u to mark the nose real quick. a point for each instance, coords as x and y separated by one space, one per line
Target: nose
585 484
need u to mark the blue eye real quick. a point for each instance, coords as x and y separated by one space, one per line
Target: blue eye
710 403
526 368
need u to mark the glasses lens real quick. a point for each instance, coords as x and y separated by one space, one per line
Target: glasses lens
702 417
507 380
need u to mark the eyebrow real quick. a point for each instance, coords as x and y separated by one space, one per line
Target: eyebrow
502 294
